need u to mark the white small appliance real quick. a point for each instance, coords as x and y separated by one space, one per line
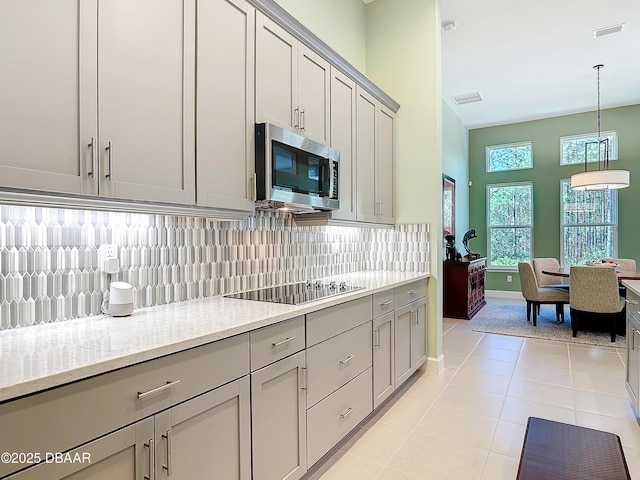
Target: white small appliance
120 301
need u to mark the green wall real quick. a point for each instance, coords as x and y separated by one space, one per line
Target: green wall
546 175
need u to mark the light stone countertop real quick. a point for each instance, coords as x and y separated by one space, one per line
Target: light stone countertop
634 285
45 356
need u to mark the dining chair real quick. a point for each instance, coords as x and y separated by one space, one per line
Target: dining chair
625 263
595 297
544 280
536 295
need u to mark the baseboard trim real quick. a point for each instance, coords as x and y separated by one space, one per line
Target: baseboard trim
503 294
435 365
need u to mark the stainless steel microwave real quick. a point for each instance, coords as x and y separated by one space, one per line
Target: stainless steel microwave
294 172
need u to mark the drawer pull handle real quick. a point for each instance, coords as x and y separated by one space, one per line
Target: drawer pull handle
152 459
347 360
413 292
631 302
286 340
388 302
377 340
347 413
153 391
167 466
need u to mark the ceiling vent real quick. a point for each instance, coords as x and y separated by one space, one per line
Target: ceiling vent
601 32
467 98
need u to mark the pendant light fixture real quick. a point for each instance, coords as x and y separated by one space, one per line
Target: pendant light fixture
603 178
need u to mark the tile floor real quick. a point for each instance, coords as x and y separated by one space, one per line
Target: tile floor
469 422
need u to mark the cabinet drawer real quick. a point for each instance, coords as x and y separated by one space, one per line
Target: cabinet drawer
337 319
383 302
277 341
64 417
410 292
336 361
330 420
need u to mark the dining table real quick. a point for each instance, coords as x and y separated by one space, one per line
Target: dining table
565 271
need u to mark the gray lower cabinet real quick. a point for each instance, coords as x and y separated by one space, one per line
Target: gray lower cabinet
633 349
410 336
383 362
278 426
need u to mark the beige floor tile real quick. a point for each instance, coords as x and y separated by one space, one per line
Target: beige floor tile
455 347
487 365
391 474
458 427
430 457
544 347
406 413
599 383
429 387
508 439
627 429
468 337
516 410
632 458
454 360
502 341
485 382
602 403
596 360
494 353
541 393
380 443
500 467
470 401
547 376
544 360
353 468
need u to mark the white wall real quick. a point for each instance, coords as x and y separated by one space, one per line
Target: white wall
455 161
339 23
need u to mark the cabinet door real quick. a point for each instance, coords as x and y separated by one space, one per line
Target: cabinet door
633 353
404 319
124 455
366 156
209 433
313 94
276 74
419 334
48 95
225 109
383 373
385 166
278 411
343 138
146 65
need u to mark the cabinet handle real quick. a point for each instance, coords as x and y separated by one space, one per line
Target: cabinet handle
153 391
631 302
303 378
413 292
286 340
633 337
347 360
296 118
377 340
92 162
388 302
348 412
381 208
302 119
109 149
167 437
252 187
152 460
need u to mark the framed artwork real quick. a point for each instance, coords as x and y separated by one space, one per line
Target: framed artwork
448 205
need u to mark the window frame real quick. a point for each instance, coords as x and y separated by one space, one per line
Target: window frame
506 268
488 148
564 225
613 153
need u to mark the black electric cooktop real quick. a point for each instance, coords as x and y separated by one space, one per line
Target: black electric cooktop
296 293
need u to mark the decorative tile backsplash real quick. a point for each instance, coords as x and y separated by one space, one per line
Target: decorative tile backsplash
49 257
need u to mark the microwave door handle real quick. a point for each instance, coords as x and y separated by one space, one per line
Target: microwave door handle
332 178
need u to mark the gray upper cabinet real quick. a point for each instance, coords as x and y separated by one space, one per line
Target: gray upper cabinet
292 82
48 113
225 104
146 60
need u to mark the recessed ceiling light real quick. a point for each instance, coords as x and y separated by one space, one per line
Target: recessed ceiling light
467 98
601 32
449 26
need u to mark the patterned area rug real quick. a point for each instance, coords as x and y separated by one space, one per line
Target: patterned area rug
509 319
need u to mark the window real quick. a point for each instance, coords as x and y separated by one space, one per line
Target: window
510 223
514 156
589 221
572 148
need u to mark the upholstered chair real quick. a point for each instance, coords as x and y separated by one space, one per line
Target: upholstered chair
625 263
595 295
544 280
535 295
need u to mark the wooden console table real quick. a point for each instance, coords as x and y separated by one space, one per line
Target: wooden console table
463 287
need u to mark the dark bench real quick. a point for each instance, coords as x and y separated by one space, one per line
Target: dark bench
559 451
